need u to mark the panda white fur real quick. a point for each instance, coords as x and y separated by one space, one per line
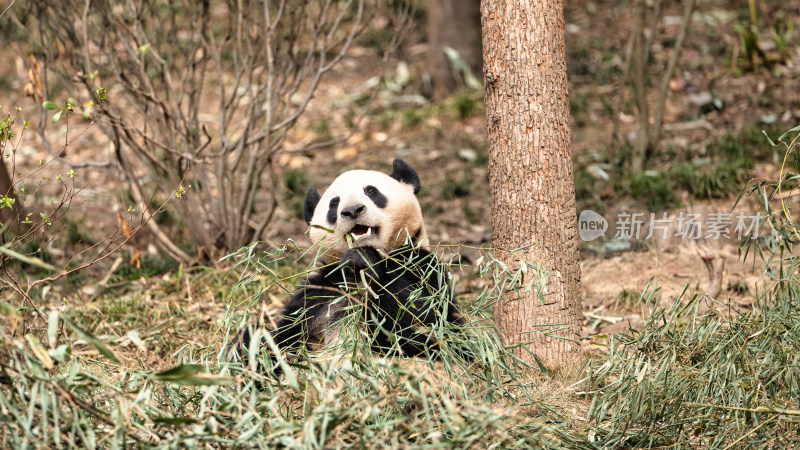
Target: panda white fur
369 222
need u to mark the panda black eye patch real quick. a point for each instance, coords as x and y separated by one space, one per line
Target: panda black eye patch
376 196
332 208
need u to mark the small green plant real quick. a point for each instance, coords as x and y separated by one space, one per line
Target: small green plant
579 62
350 120
435 210
456 188
782 33
412 117
586 191
323 130
749 34
378 38
5 83
470 214
577 107
385 119
482 159
654 189
747 144
166 217
296 183
466 104
729 163
628 298
720 183
150 267
738 287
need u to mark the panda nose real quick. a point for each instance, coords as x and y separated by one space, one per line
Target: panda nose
353 211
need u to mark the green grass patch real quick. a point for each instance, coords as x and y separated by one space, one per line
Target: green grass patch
413 117
467 103
453 188
720 172
296 183
150 266
654 189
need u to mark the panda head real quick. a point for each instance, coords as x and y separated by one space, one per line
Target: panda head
375 209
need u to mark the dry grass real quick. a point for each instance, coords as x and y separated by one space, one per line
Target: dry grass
154 370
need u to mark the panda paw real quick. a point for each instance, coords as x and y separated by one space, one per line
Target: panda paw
360 258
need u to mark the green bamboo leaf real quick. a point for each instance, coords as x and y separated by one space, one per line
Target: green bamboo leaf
96 343
785 135
175 420
61 353
189 374
39 351
205 379
768 138
28 259
52 327
327 230
289 374
7 309
541 365
183 370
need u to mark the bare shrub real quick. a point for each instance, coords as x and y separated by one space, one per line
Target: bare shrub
637 72
203 96
28 234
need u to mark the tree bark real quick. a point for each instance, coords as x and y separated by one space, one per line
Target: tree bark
530 173
455 24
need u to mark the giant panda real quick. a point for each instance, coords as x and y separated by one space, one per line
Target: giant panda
370 226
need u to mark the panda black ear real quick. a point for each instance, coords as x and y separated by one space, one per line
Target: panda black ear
403 173
310 204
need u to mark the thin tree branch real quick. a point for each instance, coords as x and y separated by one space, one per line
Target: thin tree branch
688 10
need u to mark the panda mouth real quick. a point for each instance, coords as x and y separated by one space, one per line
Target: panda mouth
359 231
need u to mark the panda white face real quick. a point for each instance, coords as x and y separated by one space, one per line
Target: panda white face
373 208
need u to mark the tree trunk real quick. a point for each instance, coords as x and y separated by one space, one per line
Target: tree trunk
530 172
455 24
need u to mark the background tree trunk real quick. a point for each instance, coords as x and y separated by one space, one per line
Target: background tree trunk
530 171
455 24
